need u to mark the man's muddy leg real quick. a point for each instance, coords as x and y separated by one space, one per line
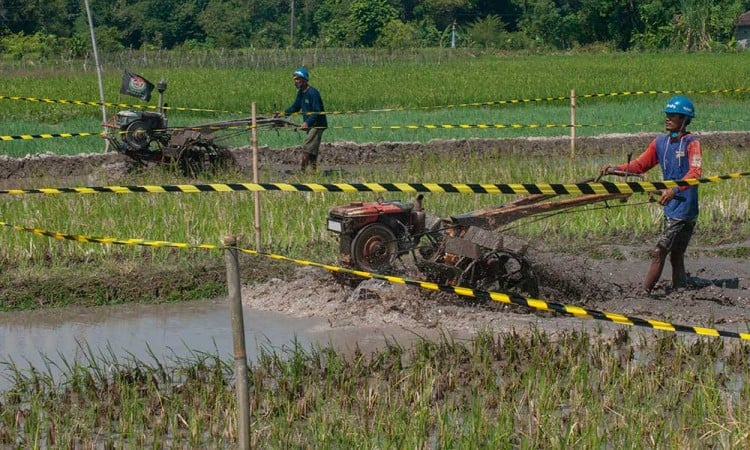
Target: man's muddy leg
679 277
658 257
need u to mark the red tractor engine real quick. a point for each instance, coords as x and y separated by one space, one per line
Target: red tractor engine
373 234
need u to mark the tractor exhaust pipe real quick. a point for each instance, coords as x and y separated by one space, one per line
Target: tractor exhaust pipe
161 86
418 217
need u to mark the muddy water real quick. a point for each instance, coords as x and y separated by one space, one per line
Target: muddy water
136 331
47 339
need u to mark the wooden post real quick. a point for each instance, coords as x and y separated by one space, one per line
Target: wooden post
572 123
238 336
256 194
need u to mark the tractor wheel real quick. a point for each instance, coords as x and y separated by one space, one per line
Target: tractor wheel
137 135
509 273
204 157
194 160
374 248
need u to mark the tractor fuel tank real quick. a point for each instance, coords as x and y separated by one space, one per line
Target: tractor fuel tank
350 218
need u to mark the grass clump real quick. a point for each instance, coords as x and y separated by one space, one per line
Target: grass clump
513 389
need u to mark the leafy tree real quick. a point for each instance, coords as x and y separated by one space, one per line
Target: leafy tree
686 24
121 20
167 23
542 21
397 34
656 29
444 12
623 24
64 13
429 35
107 39
505 9
35 46
18 16
487 32
270 20
230 23
700 24
308 29
368 17
333 20
600 21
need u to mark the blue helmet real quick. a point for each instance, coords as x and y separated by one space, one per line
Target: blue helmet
302 73
680 105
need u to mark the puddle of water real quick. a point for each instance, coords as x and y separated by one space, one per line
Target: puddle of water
129 331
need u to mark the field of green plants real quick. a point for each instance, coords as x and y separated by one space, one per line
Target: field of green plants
525 391
416 93
497 391
366 100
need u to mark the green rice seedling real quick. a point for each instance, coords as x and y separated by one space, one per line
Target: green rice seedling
558 399
457 93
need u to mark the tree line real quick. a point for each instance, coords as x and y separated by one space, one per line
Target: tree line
39 28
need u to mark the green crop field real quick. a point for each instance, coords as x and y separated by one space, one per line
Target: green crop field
393 100
377 94
559 390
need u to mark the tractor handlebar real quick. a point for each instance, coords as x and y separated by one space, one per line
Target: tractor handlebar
615 172
622 173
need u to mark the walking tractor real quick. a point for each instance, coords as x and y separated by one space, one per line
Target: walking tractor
145 137
465 250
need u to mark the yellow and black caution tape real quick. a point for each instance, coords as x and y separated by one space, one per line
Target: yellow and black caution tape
423 108
629 187
540 305
156 130
553 98
443 126
118 105
665 91
27 137
446 126
455 126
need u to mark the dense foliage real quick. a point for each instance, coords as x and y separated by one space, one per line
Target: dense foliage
40 29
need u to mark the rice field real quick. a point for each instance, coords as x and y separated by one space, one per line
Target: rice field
525 391
531 390
295 223
390 100
371 102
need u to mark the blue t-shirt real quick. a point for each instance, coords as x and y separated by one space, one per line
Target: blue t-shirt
311 105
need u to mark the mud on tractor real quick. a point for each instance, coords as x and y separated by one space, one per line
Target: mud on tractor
145 137
464 250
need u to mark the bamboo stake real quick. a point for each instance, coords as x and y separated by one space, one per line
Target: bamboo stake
238 337
256 194
98 72
572 123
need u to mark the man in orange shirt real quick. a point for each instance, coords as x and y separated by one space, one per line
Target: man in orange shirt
678 152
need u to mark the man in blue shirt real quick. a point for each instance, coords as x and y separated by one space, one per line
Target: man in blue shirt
678 153
308 101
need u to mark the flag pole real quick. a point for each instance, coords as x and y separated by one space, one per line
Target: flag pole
98 73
